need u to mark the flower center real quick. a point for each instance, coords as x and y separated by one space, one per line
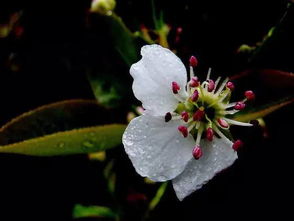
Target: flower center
203 107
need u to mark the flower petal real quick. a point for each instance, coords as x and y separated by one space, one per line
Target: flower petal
156 148
217 155
153 76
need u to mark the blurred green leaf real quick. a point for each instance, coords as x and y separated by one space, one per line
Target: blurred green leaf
107 89
262 111
56 117
110 176
277 44
161 190
124 41
79 141
81 211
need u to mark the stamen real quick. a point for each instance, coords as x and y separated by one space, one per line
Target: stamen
183 130
208 74
220 89
191 72
216 83
185 116
199 114
234 122
237 144
249 95
223 95
228 112
209 134
239 106
231 104
221 134
194 97
193 61
192 125
210 86
194 82
197 152
175 87
167 117
223 123
230 85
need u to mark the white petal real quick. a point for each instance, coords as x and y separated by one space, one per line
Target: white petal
156 148
217 155
153 76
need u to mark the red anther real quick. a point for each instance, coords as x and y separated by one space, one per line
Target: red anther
230 85
210 86
239 106
185 116
223 123
183 130
143 27
209 134
175 87
194 82
179 30
197 152
193 61
249 95
198 115
237 144
168 117
194 97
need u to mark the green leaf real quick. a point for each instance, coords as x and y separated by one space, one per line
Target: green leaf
261 111
81 211
110 176
56 117
107 89
276 47
78 141
161 190
124 41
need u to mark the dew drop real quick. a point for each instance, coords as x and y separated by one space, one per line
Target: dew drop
88 144
61 144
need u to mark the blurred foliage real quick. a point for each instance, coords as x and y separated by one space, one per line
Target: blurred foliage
80 211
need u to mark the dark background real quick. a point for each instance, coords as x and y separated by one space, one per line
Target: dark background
53 54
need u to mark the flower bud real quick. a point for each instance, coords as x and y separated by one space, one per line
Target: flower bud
175 87
230 85
194 82
210 86
198 115
223 123
168 117
183 130
194 97
197 152
193 61
209 134
239 106
103 7
237 144
249 95
185 116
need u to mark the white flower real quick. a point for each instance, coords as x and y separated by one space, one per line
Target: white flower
165 143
